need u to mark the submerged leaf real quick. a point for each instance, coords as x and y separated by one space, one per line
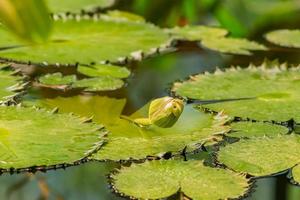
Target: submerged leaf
161 179
261 156
38 138
260 93
285 37
28 19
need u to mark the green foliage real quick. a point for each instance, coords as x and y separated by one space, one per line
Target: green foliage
261 156
85 41
161 179
256 129
76 6
270 90
57 79
129 141
104 70
232 45
286 38
296 174
31 137
9 84
214 38
103 83
28 19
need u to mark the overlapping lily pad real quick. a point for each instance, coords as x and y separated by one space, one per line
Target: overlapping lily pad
262 156
129 141
268 92
161 179
104 78
215 39
285 37
76 6
40 139
9 83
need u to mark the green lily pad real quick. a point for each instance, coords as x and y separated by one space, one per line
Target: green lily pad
76 6
263 93
286 38
197 33
256 129
161 179
296 174
57 79
87 40
232 45
9 84
39 138
128 141
104 83
104 70
214 38
101 83
262 156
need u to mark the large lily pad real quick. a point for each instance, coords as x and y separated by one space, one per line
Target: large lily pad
39 138
87 40
261 156
128 141
286 38
268 92
76 6
256 129
161 179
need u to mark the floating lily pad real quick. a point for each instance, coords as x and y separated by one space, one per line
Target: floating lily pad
286 38
197 33
87 40
104 70
161 179
38 138
261 156
256 129
263 93
9 84
128 141
214 38
104 83
76 6
296 174
233 45
57 79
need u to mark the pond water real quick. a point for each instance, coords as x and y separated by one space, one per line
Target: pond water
150 79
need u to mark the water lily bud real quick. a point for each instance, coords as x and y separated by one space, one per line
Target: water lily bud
164 112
